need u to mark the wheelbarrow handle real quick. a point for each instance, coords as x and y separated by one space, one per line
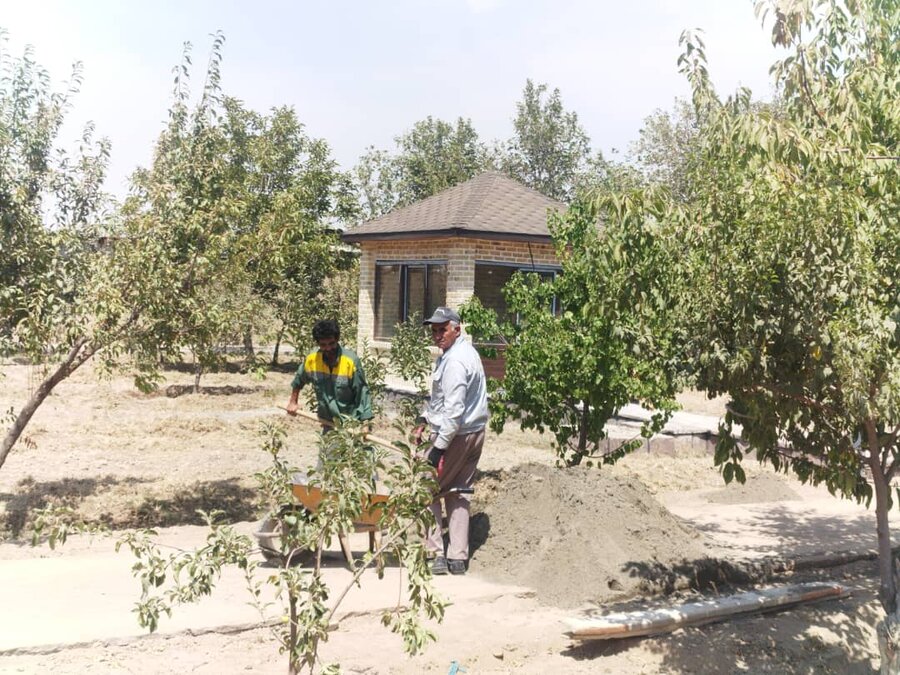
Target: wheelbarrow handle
458 491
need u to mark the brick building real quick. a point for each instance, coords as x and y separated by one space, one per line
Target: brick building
467 240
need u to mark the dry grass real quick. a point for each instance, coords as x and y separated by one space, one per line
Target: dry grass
129 459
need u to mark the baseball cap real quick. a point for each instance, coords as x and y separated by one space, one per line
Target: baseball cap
442 315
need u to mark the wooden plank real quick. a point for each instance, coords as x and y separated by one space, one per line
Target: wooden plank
650 622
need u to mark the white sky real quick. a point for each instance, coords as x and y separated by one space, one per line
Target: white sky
359 73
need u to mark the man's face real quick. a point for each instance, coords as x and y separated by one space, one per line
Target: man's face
444 335
328 347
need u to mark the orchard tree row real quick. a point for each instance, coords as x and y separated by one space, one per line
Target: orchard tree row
226 234
763 264
231 233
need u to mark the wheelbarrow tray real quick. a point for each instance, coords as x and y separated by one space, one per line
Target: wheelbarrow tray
311 496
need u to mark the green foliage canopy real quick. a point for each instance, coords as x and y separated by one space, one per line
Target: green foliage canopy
549 149
50 213
42 264
794 238
287 191
612 340
799 249
432 156
232 206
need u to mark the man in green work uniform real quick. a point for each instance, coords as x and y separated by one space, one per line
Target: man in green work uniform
337 377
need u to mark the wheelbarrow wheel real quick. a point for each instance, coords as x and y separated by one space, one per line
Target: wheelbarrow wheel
269 537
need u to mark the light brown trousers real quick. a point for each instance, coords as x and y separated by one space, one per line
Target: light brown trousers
458 471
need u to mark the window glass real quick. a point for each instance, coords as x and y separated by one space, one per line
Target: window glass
387 300
489 283
490 280
436 295
415 291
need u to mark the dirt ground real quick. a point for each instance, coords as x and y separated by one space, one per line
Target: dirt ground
576 537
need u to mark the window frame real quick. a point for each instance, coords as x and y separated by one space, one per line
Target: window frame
403 290
554 270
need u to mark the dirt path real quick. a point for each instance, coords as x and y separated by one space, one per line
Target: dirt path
515 635
573 537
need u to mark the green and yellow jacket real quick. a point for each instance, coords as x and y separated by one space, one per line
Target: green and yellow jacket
341 390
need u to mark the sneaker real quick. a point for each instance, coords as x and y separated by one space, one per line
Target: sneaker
456 566
439 565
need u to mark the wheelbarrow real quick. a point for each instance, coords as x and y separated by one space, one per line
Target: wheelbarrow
308 498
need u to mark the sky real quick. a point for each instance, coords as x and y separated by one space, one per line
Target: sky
359 73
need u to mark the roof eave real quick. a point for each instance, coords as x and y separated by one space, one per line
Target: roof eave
448 233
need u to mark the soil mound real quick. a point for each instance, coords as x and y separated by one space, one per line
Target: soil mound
758 489
575 535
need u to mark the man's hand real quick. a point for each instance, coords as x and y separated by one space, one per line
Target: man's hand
417 434
292 408
434 456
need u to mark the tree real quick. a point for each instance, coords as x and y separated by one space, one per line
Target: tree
435 156
550 149
666 148
285 189
233 206
38 258
432 156
793 231
375 178
44 266
602 176
410 358
190 201
601 334
308 605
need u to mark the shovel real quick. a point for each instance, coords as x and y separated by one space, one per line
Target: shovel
327 423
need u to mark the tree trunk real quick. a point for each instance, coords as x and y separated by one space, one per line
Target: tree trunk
293 661
73 360
583 431
584 416
889 628
248 343
277 346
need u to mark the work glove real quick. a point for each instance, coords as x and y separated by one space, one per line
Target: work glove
434 456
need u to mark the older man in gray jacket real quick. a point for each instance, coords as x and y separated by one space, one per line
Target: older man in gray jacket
457 415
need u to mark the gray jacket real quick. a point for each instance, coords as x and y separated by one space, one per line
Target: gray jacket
458 394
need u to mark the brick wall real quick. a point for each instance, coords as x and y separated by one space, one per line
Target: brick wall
460 255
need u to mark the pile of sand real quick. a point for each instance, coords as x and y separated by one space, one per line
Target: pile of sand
574 535
759 488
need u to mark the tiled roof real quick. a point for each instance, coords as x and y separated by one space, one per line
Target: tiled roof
489 205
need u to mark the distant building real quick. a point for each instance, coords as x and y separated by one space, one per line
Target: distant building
467 240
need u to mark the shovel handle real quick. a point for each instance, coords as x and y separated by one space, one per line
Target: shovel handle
328 423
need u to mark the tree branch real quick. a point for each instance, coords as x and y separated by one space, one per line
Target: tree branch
806 89
363 568
771 389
